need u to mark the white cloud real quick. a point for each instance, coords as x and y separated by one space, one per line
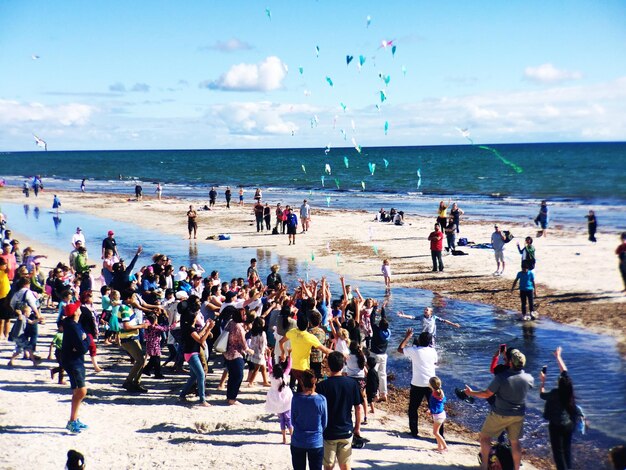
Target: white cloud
265 76
232 45
548 73
119 87
71 114
260 118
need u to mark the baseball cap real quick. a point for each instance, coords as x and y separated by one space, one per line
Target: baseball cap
70 309
78 229
230 296
111 232
518 359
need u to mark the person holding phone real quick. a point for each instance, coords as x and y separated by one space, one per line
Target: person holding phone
561 412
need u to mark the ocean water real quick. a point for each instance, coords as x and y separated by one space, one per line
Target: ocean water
574 177
465 353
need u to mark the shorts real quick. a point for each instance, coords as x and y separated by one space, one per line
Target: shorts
361 381
494 425
337 449
76 373
22 343
439 417
291 230
192 225
499 254
240 198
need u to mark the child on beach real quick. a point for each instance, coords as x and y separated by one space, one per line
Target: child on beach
372 382
23 334
386 270
258 343
152 337
436 404
278 399
429 321
56 344
355 368
341 337
114 325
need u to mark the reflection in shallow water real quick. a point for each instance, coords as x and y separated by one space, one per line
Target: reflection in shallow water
465 353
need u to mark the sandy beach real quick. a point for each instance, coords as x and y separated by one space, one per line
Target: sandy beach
159 433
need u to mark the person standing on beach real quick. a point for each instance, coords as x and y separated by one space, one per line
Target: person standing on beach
228 195
192 224
138 192
56 203
75 345
561 412
456 214
442 216
342 396
592 226
258 215
527 291
78 236
528 254
279 218
267 216
424 361
159 191
305 216
109 243
621 254
241 195
82 186
292 225
212 196
542 219
129 342
436 246
498 240
258 195
510 388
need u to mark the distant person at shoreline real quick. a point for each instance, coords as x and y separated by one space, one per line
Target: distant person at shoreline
510 388
456 214
436 246
305 216
138 192
258 216
79 236
621 254
159 191
442 216
543 219
212 196
258 195
228 194
292 225
192 223
267 216
241 196
82 186
592 226
498 240
56 203
386 270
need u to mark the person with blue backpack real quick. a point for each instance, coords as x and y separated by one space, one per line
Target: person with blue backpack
562 413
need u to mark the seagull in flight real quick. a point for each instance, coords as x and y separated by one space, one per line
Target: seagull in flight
41 143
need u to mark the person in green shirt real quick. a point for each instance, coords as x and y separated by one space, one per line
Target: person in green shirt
57 344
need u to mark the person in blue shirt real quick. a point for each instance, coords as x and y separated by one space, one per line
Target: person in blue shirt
527 291
75 345
309 416
292 225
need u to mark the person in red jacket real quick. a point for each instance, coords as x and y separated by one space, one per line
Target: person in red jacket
436 246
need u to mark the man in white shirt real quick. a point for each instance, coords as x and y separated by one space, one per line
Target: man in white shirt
78 236
424 361
498 241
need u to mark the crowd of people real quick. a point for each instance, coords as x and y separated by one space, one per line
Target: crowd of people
322 359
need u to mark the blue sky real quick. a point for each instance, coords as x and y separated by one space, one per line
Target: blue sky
164 74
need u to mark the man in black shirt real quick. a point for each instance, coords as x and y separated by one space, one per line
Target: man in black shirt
342 394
